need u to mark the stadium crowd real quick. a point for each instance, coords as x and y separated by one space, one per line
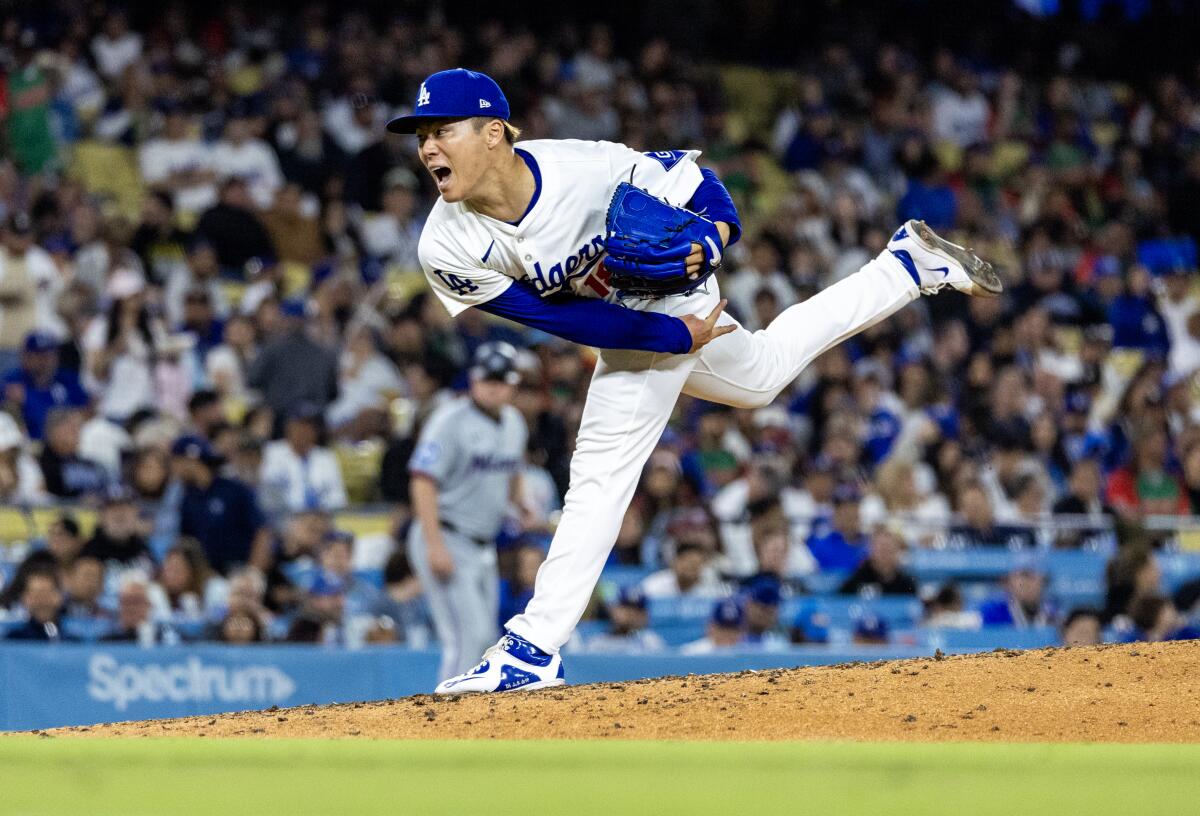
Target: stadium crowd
215 337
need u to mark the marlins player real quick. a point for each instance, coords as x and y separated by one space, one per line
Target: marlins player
557 235
464 476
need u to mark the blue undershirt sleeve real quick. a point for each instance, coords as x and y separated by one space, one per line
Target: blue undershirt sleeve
713 201
591 322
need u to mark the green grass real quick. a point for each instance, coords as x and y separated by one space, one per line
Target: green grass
201 776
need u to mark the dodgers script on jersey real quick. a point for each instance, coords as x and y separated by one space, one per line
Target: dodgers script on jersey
559 245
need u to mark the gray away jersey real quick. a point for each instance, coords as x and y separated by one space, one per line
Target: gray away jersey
473 458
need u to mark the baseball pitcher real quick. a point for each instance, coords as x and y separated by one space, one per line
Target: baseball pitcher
605 246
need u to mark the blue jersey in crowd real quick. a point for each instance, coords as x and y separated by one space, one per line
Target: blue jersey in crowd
224 518
64 390
834 552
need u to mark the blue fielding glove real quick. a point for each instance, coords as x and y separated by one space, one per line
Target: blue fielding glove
648 242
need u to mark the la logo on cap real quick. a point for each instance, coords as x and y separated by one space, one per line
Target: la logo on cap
423 96
483 103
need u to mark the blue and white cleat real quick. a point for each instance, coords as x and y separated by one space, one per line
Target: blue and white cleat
934 262
512 664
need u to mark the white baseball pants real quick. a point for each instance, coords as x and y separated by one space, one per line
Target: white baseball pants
632 395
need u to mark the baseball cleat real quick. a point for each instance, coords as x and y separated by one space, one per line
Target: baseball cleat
935 263
512 664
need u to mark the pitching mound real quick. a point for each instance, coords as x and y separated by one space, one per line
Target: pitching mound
1128 693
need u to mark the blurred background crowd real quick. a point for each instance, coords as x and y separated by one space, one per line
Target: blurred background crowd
217 346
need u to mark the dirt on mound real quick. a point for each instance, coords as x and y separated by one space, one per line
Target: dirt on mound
1129 693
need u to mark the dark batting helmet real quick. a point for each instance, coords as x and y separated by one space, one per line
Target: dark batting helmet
496 361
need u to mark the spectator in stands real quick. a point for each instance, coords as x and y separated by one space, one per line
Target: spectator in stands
711 465
134 623
1023 602
321 615
248 596
29 87
844 547
920 516
516 591
161 245
301 536
178 162
83 590
295 231
297 471
67 474
42 601
367 382
881 573
761 604
21 481
945 609
1146 486
234 230
19 283
979 527
1081 627
40 385
226 365
726 630
115 47
292 368
204 412
63 539
118 539
871 630
775 560
187 588
1155 618
393 233
201 323
242 155
119 348
220 513
337 566
690 575
1132 573
628 632
402 601
198 276
1083 499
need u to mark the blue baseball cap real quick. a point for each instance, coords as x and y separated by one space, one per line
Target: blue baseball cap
871 627
294 307
632 595
40 341
765 590
727 613
454 94
195 447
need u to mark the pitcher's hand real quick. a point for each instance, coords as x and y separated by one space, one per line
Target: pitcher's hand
705 329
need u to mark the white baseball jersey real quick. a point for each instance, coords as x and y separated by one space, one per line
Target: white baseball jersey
471 258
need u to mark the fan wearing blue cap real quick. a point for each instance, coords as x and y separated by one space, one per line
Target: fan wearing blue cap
761 604
726 629
39 384
628 633
219 512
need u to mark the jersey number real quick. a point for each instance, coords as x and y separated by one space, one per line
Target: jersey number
457 285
